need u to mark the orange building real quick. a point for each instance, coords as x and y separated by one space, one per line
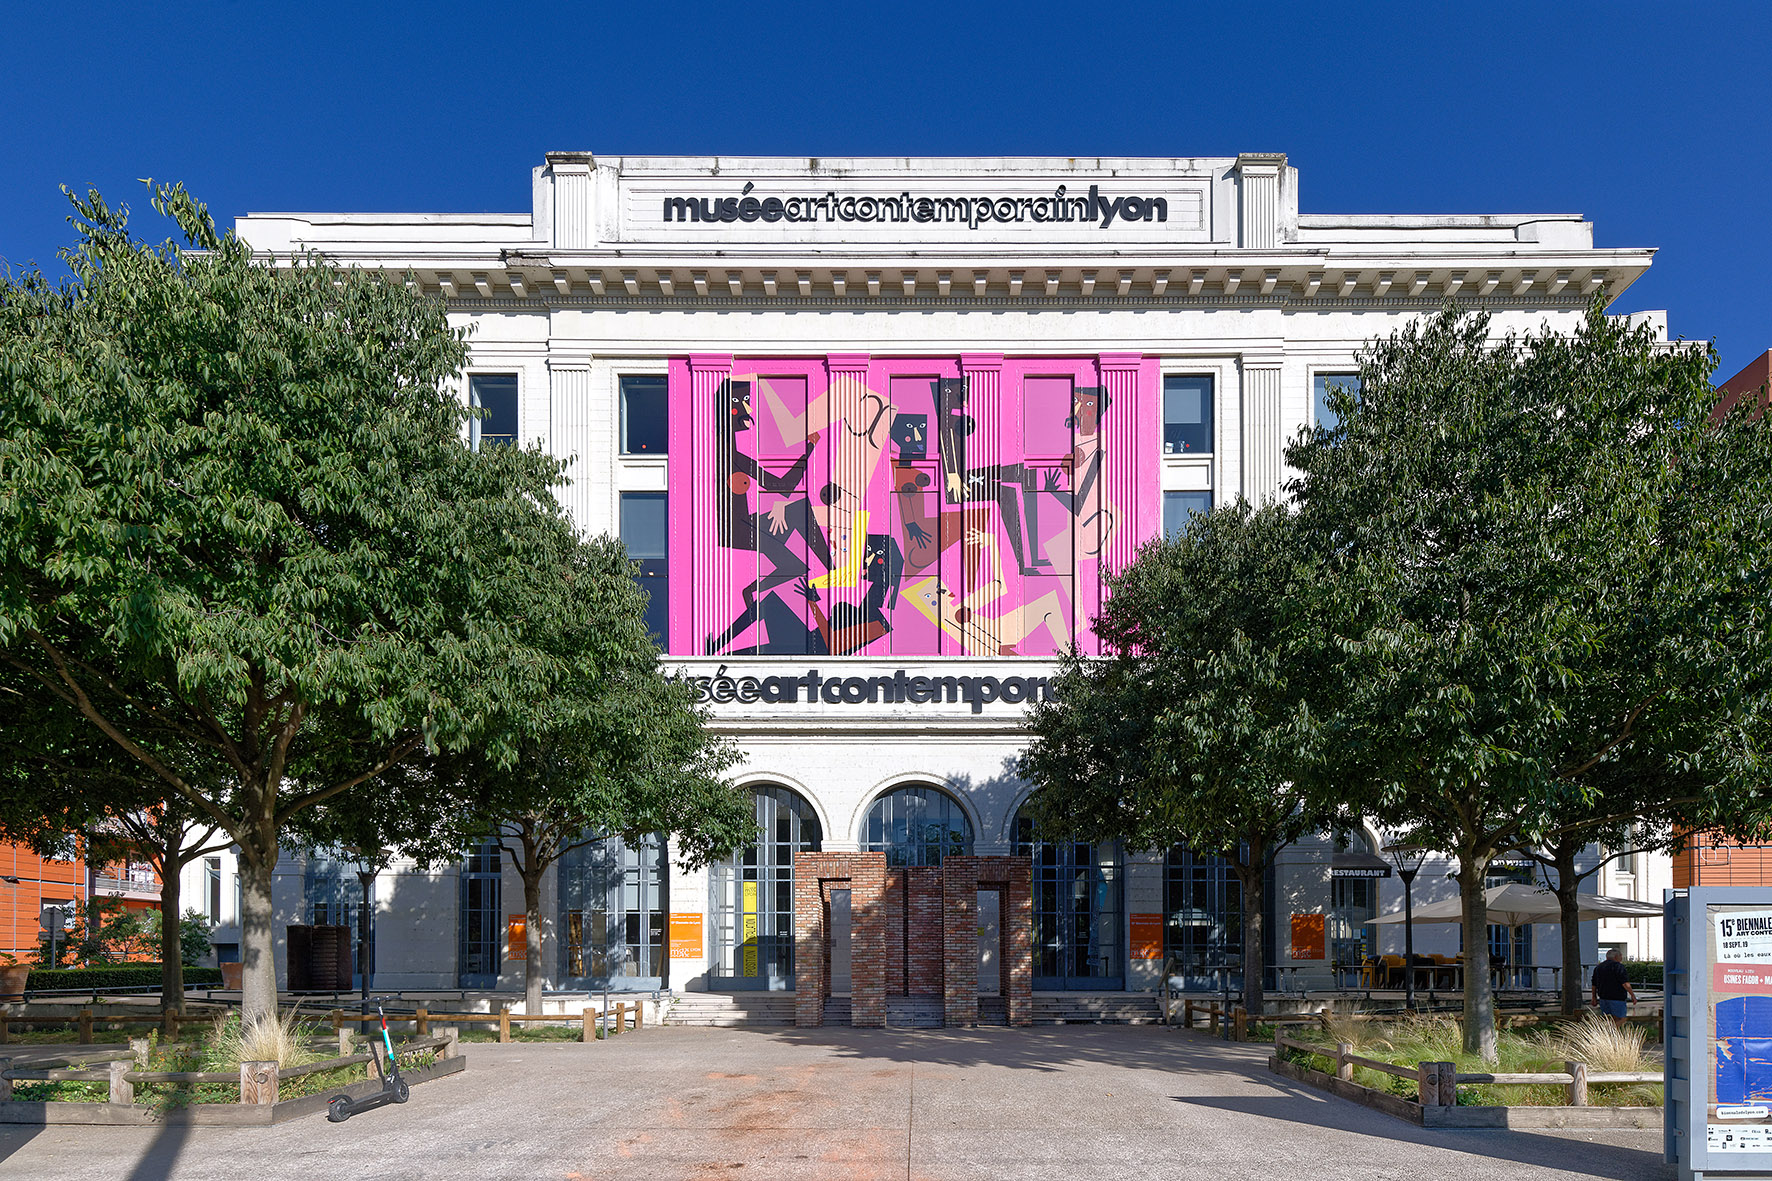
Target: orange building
1707 861
28 883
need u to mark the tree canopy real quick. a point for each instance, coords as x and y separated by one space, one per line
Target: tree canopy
1563 568
238 517
1205 722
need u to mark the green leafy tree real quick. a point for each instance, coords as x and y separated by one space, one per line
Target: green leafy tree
1562 565
1205 721
619 749
237 518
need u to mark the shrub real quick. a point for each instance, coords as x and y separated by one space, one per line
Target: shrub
281 1039
1644 972
1602 1043
144 976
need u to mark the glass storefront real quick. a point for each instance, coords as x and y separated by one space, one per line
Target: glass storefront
753 895
1077 891
613 905
1203 920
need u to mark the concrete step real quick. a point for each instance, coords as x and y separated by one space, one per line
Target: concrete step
915 1012
993 1010
726 1009
1103 1008
837 1010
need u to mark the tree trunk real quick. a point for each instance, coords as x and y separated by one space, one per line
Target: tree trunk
1479 998
172 967
531 940
1254 884
258 996
1568 887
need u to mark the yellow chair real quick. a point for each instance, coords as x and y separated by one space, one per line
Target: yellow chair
1392 966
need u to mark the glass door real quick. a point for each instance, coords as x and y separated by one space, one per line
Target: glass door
1077 912
753 896
613 900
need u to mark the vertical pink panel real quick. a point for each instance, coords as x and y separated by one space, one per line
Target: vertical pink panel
1126 438
996 411
700 589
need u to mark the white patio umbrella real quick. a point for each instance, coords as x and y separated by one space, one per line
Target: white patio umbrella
1516 903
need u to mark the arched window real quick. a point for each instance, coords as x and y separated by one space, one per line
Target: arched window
613 901
753 894
916 826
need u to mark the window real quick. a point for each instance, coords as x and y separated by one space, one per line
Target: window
644 417
1180 508
212 882
1187 415
495 396
754 894
1321 384
643 532
1203 919
916 826
1077 906
482 912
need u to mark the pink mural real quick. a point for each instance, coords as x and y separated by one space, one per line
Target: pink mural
848 505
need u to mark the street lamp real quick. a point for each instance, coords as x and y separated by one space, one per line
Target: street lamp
1408 858
368 863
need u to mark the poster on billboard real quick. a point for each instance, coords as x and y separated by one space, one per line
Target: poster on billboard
1738 1025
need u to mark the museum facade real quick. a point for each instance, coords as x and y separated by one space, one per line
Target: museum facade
875 431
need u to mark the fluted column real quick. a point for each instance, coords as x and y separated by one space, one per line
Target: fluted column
1263 431
994 411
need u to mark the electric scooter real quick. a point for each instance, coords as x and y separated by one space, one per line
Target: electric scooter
394 1089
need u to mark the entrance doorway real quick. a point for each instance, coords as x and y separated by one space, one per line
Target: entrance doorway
753 895
612 915
840 943
1077 912
990 944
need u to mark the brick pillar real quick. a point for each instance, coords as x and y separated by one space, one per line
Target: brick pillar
809 937
1017 918
867 956
960 940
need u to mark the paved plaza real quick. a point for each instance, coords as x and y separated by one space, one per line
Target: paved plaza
1071 1102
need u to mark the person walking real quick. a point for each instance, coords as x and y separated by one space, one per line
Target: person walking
1612 992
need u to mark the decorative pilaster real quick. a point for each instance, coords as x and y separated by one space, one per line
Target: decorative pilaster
994 411
1263 437
1114 536
574 199
1258 204
573 427
848 452
694 504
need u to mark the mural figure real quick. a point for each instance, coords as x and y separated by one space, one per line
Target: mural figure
765 532
1087 501
1012 486
960 616
853 626
868 525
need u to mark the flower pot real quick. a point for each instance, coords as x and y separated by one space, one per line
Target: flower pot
232 973
12 980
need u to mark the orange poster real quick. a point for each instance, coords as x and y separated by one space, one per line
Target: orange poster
1307 937
1147 936
685 935
516 937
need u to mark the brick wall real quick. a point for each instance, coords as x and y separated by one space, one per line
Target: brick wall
960 938
895 932
925 952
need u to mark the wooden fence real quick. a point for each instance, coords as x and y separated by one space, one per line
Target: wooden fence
258 1081
618 1019
1437 1082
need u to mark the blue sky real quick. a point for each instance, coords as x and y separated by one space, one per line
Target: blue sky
1654 120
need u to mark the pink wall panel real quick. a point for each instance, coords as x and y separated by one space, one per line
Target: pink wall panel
957 506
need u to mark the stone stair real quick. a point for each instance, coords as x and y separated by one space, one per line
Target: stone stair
732 1008
993 1010
1098 1008
914 1012
837 1011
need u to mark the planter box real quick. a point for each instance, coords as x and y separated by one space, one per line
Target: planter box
1469 1117
223 1114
